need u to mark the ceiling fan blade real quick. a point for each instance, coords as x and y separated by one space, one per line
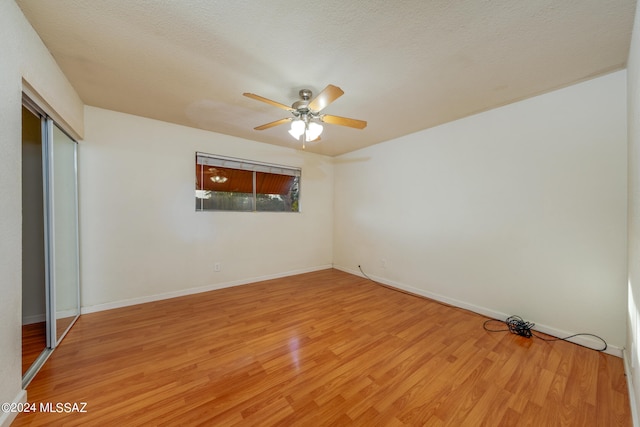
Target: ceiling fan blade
343 121
326 97
268 101
272 124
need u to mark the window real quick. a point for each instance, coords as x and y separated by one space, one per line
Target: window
227 184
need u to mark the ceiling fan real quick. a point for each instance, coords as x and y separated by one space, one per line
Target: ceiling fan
307 114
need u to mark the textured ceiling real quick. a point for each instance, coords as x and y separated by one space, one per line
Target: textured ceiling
404 66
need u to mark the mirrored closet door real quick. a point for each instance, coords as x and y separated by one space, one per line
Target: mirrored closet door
63 230
50 262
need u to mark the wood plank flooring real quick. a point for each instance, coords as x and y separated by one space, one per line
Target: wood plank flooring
323 348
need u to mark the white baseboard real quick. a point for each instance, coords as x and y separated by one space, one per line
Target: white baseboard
630 388
191 291
582 340
6 418
39 318
36 318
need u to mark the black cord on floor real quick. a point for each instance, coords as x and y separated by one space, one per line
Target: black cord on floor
516 325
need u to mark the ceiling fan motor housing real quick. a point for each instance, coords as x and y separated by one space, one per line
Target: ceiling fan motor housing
302 106
305 94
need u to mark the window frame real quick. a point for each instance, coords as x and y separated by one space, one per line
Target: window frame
203 160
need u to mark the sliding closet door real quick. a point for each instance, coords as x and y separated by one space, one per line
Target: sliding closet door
34 297
63 233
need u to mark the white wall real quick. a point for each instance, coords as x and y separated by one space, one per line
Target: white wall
518 210
633 320
141 237
23 56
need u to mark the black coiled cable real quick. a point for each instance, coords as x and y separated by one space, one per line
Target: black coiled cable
518 326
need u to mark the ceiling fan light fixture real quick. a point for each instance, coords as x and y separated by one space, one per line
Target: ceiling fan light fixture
313 132
305 126
297 128
219 179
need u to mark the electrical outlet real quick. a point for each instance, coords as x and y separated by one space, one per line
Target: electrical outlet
383 263
217 267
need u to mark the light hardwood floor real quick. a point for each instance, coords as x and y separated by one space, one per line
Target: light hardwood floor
323 348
